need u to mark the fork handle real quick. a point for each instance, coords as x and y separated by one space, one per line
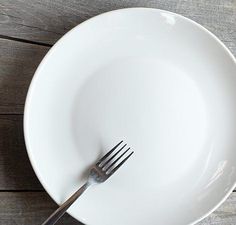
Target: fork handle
62 209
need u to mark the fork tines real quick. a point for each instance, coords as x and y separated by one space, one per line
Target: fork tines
113 159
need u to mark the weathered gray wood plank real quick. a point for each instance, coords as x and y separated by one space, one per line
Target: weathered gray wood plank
224 215
27 208
46 21
15 169
18 62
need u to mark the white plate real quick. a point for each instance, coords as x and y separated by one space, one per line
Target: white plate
161 82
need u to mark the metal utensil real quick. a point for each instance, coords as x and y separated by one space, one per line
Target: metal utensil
100 172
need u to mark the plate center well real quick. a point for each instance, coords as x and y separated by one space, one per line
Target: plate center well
155 107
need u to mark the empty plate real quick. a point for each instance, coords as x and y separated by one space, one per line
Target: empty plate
161 82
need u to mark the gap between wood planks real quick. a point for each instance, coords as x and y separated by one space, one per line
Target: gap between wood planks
24 41
22 191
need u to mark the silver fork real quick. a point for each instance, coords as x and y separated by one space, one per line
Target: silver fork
100 172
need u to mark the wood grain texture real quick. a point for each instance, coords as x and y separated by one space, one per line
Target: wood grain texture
18 62
27 208
46 21
16 172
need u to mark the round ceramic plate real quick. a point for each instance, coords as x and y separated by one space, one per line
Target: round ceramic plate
161 82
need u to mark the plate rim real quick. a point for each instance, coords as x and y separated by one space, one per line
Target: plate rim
44 61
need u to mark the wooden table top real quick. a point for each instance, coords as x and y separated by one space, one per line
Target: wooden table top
28 28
